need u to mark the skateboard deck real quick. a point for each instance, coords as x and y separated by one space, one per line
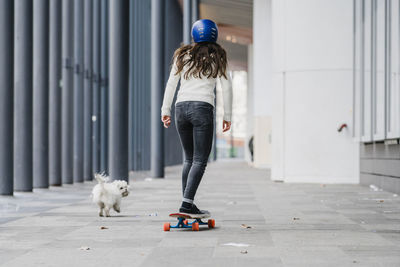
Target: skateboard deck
183 221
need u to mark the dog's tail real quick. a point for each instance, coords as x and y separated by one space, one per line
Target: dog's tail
101 178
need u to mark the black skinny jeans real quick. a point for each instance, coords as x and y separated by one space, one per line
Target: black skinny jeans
195 124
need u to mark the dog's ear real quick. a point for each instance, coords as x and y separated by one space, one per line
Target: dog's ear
129 187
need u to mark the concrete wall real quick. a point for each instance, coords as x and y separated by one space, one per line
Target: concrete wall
380 166
262 72
250 101
307 92
376 90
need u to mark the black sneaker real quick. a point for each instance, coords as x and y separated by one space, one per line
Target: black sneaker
202 211
194 211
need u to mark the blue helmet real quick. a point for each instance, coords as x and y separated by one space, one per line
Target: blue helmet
204 30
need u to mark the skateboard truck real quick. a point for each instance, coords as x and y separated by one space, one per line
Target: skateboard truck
184 223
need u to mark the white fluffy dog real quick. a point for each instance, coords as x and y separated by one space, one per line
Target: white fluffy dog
108 195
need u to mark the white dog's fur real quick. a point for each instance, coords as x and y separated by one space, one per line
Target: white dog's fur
108 195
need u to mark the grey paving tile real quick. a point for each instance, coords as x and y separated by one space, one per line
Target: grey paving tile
76 257
327 238
7 255
244 261
315 256
371 251
165 256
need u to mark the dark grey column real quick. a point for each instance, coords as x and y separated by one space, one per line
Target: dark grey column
67 90
55 64
6 97
78 91
119 67
195 11
132 94
23 95
41 93
139 84
187 21
157 70
87 116
104 88
173 35
96 88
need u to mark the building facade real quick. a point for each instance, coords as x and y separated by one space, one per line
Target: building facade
377 91
326 91
302 90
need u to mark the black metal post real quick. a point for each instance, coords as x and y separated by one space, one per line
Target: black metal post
78 91
41 93
55 64
87 116
119 67
96 88
23 95
104 88
157 70
6 97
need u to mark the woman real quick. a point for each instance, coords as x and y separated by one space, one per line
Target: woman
199 66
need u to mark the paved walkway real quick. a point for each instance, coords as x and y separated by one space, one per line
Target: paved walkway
291 225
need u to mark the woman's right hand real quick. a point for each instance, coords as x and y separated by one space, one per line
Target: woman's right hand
226 126
166 120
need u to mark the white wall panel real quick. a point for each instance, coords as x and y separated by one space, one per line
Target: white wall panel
311 25
278 126
367 79
379 93
315 151
357 57
262 81
393 93
262 49
312 92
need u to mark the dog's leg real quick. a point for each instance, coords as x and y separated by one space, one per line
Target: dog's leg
107 210
117 208
101 205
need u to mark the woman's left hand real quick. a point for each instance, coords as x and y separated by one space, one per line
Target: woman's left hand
166 120
226 125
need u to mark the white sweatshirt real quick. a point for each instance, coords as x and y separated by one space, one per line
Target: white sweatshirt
195 89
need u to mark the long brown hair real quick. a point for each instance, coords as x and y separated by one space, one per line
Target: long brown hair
203 59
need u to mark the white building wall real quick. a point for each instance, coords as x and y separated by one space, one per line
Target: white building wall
250 104
262 80
310 94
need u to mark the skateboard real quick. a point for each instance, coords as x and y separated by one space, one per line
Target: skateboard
183 221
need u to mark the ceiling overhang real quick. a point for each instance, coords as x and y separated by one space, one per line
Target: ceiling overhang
235 26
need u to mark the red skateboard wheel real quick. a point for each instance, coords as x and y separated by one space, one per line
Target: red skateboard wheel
195 226
167 226
211 223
